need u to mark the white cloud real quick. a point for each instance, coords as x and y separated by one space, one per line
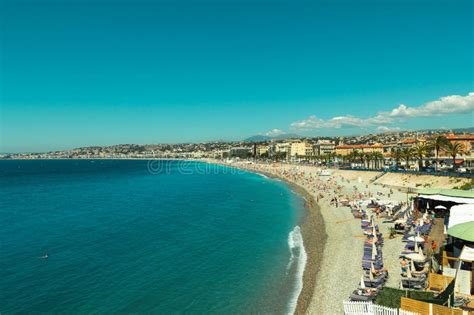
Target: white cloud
312 122
447 105
453 104
274 132
387 129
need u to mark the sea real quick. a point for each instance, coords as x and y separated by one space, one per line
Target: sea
139 236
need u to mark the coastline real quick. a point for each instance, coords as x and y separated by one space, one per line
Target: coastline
332 238
314 240
313 230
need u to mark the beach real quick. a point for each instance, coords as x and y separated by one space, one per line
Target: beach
332 237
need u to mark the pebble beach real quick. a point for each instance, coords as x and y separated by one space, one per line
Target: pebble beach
332 236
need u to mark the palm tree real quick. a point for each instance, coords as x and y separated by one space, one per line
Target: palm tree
397 156
407 154
378 156
420 150
368 159
454 149
437 143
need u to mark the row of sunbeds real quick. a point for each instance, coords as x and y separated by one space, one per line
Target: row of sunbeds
414 264
374 275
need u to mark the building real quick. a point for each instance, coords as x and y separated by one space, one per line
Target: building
241 152
407 143
324 147
389 147
361 148
467 141
262 150
301 149
283 147
466 158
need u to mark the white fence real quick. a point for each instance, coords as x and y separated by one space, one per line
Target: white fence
366 308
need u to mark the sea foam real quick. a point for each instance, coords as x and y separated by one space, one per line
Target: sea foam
298 254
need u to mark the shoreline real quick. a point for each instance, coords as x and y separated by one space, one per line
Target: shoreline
332 237
313 231
314 235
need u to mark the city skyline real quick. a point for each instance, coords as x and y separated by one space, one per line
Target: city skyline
81 74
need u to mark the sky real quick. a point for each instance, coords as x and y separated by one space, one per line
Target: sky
77 73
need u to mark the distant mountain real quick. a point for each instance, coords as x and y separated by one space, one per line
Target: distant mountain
258 138
444 130
263 138
466 130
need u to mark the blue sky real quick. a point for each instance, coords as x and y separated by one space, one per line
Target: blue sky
77 73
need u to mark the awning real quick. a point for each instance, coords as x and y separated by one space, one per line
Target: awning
448 198
464 231
458 161
461 214
446 192
467 254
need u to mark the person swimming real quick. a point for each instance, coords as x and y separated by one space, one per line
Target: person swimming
45 256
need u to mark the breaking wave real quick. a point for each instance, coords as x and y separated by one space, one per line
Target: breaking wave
298 255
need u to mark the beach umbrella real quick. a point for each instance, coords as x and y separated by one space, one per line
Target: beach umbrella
416 246
416 239
362 283
412 265
415 257
371 276
372 269
464 231
374 251
408 273
420 251
401 285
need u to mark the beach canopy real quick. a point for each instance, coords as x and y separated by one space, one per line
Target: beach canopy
464 231
415 257
451 195
467 254
418 239
447 192
461 214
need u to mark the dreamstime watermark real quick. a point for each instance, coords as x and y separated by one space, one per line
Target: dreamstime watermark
188 167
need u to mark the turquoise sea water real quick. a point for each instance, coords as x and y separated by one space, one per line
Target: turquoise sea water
130 236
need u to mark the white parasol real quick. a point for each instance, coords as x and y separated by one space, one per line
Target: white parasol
415 257
420 251
416 239
362 284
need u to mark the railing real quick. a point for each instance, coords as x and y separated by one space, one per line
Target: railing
448 174
367 308
377 177
428 308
